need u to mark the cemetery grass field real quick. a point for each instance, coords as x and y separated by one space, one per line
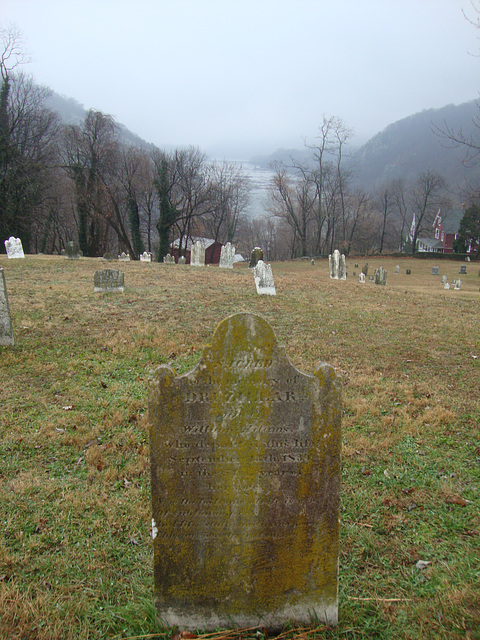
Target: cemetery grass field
75 543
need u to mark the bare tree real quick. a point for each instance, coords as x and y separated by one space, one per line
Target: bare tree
427 196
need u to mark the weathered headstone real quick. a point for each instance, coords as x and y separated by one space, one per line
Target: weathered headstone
446 286
197 254
109 257
408 272
14 248
371 279
356 265
72 251
313 262
227 255
336 263
6 332
444 279
255 256
108 280
146 256
458 284
365 269
124 257
168 259
361 277
434 271
181 260
263 276
397 269
463 269
245 464
380 276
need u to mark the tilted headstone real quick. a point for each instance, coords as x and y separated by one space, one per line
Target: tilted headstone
124 257
458 284
255 256
463 269
6 331
72 251
361 277
227 254
245 464
434 271
365 269
146 256
263 276
197 254
168 259
181 260
14 248
444 279
380 276
397 269
336 263
108 280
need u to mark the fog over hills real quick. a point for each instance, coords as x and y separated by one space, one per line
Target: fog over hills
404 149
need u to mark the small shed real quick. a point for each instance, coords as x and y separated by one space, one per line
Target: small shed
213 249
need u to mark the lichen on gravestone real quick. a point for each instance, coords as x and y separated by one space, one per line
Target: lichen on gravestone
6 331
245 463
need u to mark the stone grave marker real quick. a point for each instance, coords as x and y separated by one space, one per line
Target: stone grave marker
124 257
371 279
72 251
397 269
263 276
109 257
227 254
245 464
197 255
380 276
313 262
255 256
365 269
14 248
182 260
168 259
435 271
361 277
6 331
444 279
463 269
408 272
108 280
446 286
458 284
146 256
336 263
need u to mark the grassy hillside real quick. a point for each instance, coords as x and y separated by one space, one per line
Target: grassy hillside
75 546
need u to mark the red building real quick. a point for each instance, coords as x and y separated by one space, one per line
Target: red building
446 228
213 250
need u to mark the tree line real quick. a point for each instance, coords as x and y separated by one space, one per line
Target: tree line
60 182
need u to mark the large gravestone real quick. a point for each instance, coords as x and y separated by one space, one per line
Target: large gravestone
6 332
14 248
72 251
336 263
263 276
197 254
245 463
108 280
380 276
227 255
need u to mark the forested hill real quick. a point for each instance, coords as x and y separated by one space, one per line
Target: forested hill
72 112
407 148
410 146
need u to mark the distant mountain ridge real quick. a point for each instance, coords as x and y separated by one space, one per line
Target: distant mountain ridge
406 148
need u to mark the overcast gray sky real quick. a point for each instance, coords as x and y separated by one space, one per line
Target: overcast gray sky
250 76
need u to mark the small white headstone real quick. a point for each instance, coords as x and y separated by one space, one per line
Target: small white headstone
124 257
197 255
145 257
227 255
397 269
181 260
168 259
444 279
447 286
361 277
263 276
458 284
14 248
